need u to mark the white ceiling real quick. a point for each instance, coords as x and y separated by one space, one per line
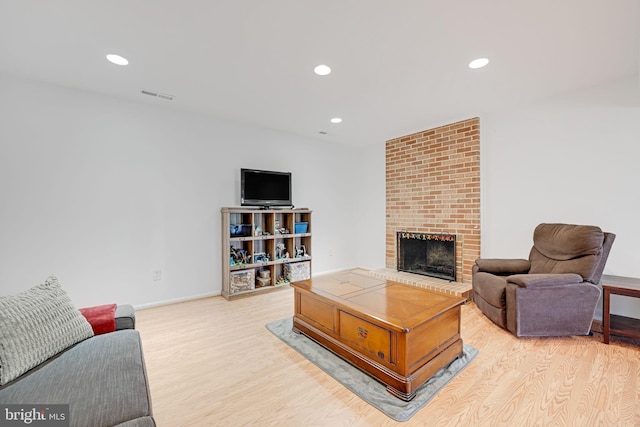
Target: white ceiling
398 66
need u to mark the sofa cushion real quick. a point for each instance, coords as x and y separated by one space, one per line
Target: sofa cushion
35 325
103 379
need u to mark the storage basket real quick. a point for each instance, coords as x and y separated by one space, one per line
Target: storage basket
243 280
301 227
296 271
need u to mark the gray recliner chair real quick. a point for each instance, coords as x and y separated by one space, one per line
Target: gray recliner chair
554 292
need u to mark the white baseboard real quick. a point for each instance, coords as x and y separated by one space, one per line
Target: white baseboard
176 300
215 294
322 273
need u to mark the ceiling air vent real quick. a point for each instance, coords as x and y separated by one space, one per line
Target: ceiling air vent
158 94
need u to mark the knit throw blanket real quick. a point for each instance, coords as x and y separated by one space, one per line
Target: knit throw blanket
102 318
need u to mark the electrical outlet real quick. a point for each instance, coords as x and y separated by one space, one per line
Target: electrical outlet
156 275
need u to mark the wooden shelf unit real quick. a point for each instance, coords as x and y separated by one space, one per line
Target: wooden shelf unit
266 230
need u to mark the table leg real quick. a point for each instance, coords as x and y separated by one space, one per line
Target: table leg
606 318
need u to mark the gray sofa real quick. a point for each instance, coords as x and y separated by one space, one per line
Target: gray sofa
102 378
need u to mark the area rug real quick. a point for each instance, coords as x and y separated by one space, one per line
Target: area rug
363 385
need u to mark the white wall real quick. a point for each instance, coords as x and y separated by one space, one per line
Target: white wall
101 192
369 222
573 159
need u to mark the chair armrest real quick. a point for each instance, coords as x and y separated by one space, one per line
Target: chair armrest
503 266
533 281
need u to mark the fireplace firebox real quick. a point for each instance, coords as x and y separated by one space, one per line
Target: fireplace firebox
428 254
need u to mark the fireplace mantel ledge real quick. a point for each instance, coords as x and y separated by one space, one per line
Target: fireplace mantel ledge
438 285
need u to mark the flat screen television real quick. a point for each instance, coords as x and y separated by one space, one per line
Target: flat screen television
265 188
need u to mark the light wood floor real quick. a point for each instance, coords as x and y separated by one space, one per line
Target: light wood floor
212 362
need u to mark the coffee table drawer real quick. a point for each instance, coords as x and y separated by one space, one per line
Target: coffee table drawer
317 311
366 336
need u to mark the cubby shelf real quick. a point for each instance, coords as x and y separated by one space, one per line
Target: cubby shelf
271 235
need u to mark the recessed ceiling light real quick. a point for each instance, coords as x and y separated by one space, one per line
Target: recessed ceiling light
117 59
478 63
322 70
336 120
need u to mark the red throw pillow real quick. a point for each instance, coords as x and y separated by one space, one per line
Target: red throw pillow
102 318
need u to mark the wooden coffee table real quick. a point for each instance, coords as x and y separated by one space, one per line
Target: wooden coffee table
401 335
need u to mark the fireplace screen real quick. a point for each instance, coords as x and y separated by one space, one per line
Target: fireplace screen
427 254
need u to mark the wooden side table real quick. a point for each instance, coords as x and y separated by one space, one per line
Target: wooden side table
614 324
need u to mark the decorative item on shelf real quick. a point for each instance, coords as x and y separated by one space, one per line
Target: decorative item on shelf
240 230
264 273
257 231
261 282
261 257
301 227
281 251
301 252
282 281
282 230
264 278
239 256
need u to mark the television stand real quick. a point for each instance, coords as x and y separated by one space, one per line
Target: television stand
274 251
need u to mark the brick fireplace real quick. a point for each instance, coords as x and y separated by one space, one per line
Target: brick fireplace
433 186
